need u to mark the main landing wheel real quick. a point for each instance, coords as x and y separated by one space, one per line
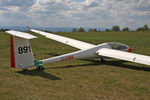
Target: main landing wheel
103 60
24 69
39 68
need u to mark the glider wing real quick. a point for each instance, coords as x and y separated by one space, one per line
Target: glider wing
68 41
132 57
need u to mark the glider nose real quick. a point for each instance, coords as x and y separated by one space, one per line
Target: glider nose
130 49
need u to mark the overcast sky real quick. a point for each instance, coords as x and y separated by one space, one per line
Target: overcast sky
75 13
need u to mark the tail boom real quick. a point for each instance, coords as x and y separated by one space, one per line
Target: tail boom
82 54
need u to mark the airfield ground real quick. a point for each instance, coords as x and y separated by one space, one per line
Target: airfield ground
77 79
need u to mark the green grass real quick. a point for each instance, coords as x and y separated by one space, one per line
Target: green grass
77 79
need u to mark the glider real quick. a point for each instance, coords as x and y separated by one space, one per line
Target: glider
23 57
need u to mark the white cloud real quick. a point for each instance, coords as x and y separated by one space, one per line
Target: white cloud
68 13
91 3
16 2
127 13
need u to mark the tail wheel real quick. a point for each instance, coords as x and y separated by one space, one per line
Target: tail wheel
39 64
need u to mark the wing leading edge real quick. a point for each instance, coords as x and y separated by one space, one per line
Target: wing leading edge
132 57
68 41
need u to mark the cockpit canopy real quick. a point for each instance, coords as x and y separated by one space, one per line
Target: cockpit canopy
118 46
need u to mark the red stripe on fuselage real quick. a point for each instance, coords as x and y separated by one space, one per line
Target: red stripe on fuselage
67 58
12 52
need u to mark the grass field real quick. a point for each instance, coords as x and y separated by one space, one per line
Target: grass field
77 79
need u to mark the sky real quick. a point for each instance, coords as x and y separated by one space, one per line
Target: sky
75 13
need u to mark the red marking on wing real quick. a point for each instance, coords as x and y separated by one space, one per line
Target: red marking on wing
67 58
12 52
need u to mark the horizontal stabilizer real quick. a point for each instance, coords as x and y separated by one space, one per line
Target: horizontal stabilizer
142 59
21 34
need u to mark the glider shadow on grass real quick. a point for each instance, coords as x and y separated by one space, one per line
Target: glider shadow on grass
42 74
94 62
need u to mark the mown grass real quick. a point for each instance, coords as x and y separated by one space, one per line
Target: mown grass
77 79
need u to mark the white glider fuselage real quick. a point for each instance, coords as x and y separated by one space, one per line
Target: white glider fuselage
82 54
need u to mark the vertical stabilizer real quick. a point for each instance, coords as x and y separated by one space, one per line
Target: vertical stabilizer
21 51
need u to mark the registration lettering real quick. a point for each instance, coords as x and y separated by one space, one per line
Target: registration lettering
67 58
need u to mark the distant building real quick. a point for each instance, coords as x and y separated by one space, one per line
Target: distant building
74 30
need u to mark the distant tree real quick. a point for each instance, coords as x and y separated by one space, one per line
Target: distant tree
139 29
126 29
107 30
74 30
81 29
92 30
3 30
144 28
115 28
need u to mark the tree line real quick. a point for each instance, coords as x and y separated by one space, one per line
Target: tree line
3 30
115 28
